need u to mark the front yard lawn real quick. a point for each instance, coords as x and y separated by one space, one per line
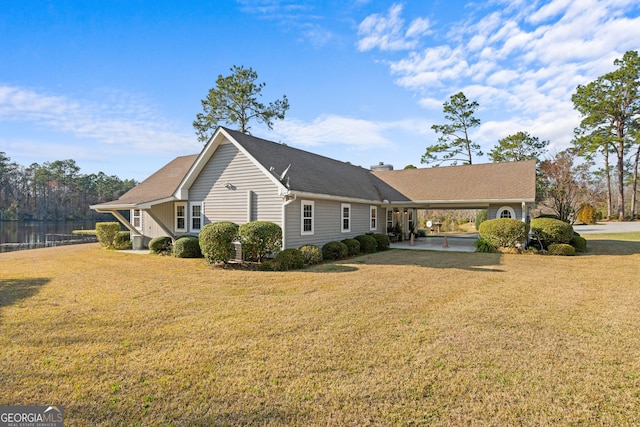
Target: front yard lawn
393 338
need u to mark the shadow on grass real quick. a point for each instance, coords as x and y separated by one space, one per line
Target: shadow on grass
14 290
429 259
612 247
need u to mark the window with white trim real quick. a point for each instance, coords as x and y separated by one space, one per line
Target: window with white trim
389 220
506 212
136 219
181 216
345 208
306 219
373 218
196 216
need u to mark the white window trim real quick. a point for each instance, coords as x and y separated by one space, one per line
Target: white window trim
506 208
373 218
191 217
304 203
342 217
185 217
140 227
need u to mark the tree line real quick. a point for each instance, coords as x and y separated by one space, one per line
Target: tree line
609 133
54 190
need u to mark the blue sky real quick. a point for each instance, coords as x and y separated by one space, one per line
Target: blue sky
116 85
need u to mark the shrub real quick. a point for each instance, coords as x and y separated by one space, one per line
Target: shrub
552 230
353 247
260 238
578 243
504 232
421 233
481 217
367 243
334 251
587 214
215 241
382 241
561 249
106 233
484 246
160 245
122 240
187 247
289 259
311 254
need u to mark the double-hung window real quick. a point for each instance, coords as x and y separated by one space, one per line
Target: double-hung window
345 209
307 217
196 216
136 219
181 216
373 218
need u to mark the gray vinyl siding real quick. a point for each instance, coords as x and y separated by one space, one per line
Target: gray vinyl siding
327 222
252 195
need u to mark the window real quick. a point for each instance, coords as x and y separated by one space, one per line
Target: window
346 217
373 216
307 217
506 212
196 216
181 217
389 220
136 219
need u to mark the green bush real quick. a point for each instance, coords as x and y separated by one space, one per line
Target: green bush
187 247
161 245
353 247
504 232
481 217
106 233
367 243
382 241
289 259
578 243
484 246
561 249
334 251
311 254
260 238
421 233
551 230
215 241
122 240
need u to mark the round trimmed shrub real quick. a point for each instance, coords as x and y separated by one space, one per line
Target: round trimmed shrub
552 230
353 247
122 240
368 243
161 245
562 249
503 232
215 241
187 247
578 243
106 233
587 214
311 254
382 241
334 250
289 259
260 238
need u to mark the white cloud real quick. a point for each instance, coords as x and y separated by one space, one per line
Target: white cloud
387 33
119 120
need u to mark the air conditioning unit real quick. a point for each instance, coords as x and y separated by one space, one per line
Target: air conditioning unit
236 252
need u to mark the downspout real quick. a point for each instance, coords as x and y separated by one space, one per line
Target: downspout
288 199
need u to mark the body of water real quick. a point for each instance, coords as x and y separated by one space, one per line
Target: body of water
18 235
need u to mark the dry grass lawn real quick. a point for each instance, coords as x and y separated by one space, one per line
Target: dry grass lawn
394 338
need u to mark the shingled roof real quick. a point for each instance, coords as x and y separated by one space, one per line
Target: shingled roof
315 174
158 187
469 183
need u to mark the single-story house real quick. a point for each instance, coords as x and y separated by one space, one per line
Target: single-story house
315 199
